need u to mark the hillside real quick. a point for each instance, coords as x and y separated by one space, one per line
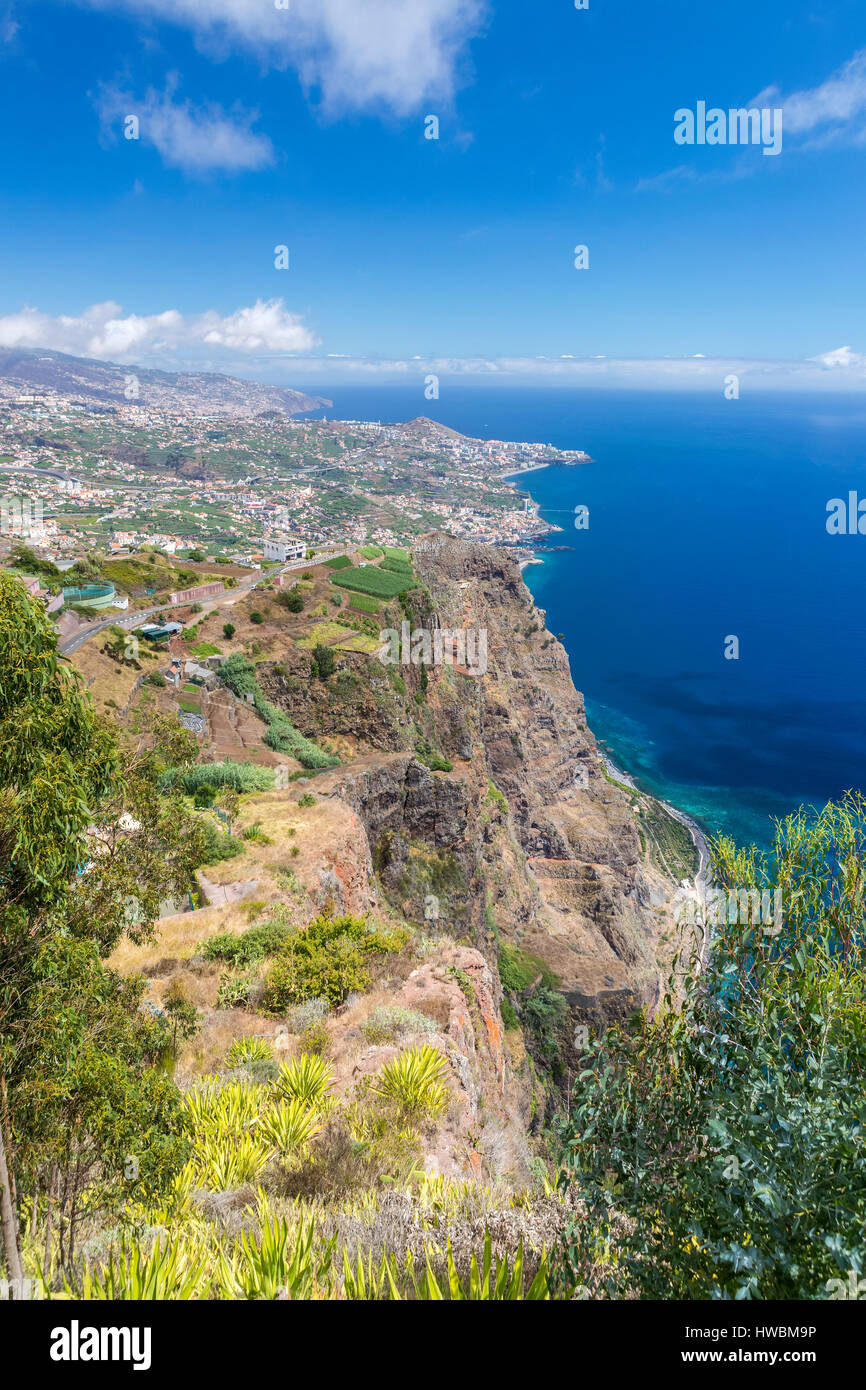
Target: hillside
105 383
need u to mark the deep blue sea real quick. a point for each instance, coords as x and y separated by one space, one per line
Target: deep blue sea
707 519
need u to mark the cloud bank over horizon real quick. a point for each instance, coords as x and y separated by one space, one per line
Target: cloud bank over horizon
268 342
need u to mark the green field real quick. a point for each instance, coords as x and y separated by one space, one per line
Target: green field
393 552
339 562
363 604
370 552
379 583
395 566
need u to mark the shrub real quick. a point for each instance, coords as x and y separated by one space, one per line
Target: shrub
292 600
414 1082
289 1127
323 662
307 799
255 944
388 1025
316 1039
229 630
204 794
307 1078
300 1017
234 990
156 678
217 847
245 1050
257 617
240 777
328 960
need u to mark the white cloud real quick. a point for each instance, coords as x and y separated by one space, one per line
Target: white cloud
836 108
104 331
199 140
842 357
356 53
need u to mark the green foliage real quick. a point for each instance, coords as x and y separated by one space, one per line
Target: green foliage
165 1273
327 960
323 662
494 797
339 562
256 617
240 777
245 1050
292 599
235 988
727 1130
217 847
306 799
306 1079
255 944
282 736
229 631
364 604
386 1025
518 969
414 1081
375 581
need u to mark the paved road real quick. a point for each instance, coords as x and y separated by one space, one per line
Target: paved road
140 615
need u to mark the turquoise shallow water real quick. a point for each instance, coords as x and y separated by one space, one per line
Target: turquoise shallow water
707 520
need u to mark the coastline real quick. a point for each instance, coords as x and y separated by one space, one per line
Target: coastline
698 837
697 834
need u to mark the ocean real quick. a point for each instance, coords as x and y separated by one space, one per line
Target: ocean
707 522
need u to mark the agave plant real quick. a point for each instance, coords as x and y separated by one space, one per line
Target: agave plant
167 1272
224 1162
390 1281
220 1112
248 1050
414 1080
289 1127
281 1264
307 1078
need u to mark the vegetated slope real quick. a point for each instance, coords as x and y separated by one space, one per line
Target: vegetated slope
473 813
198 393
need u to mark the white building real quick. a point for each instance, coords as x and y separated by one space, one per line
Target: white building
283 548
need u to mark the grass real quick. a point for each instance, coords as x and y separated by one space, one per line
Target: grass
321 635
361 642
363 604
370 552
205 649
339 562
376 582
190 706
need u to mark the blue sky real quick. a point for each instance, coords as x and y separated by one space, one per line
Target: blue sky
305 127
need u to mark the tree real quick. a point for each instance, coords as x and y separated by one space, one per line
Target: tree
292 600
228 631
323 663
89 849
718 1146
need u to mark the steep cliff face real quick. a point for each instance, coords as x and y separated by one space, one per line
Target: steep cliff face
525 840
600 905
